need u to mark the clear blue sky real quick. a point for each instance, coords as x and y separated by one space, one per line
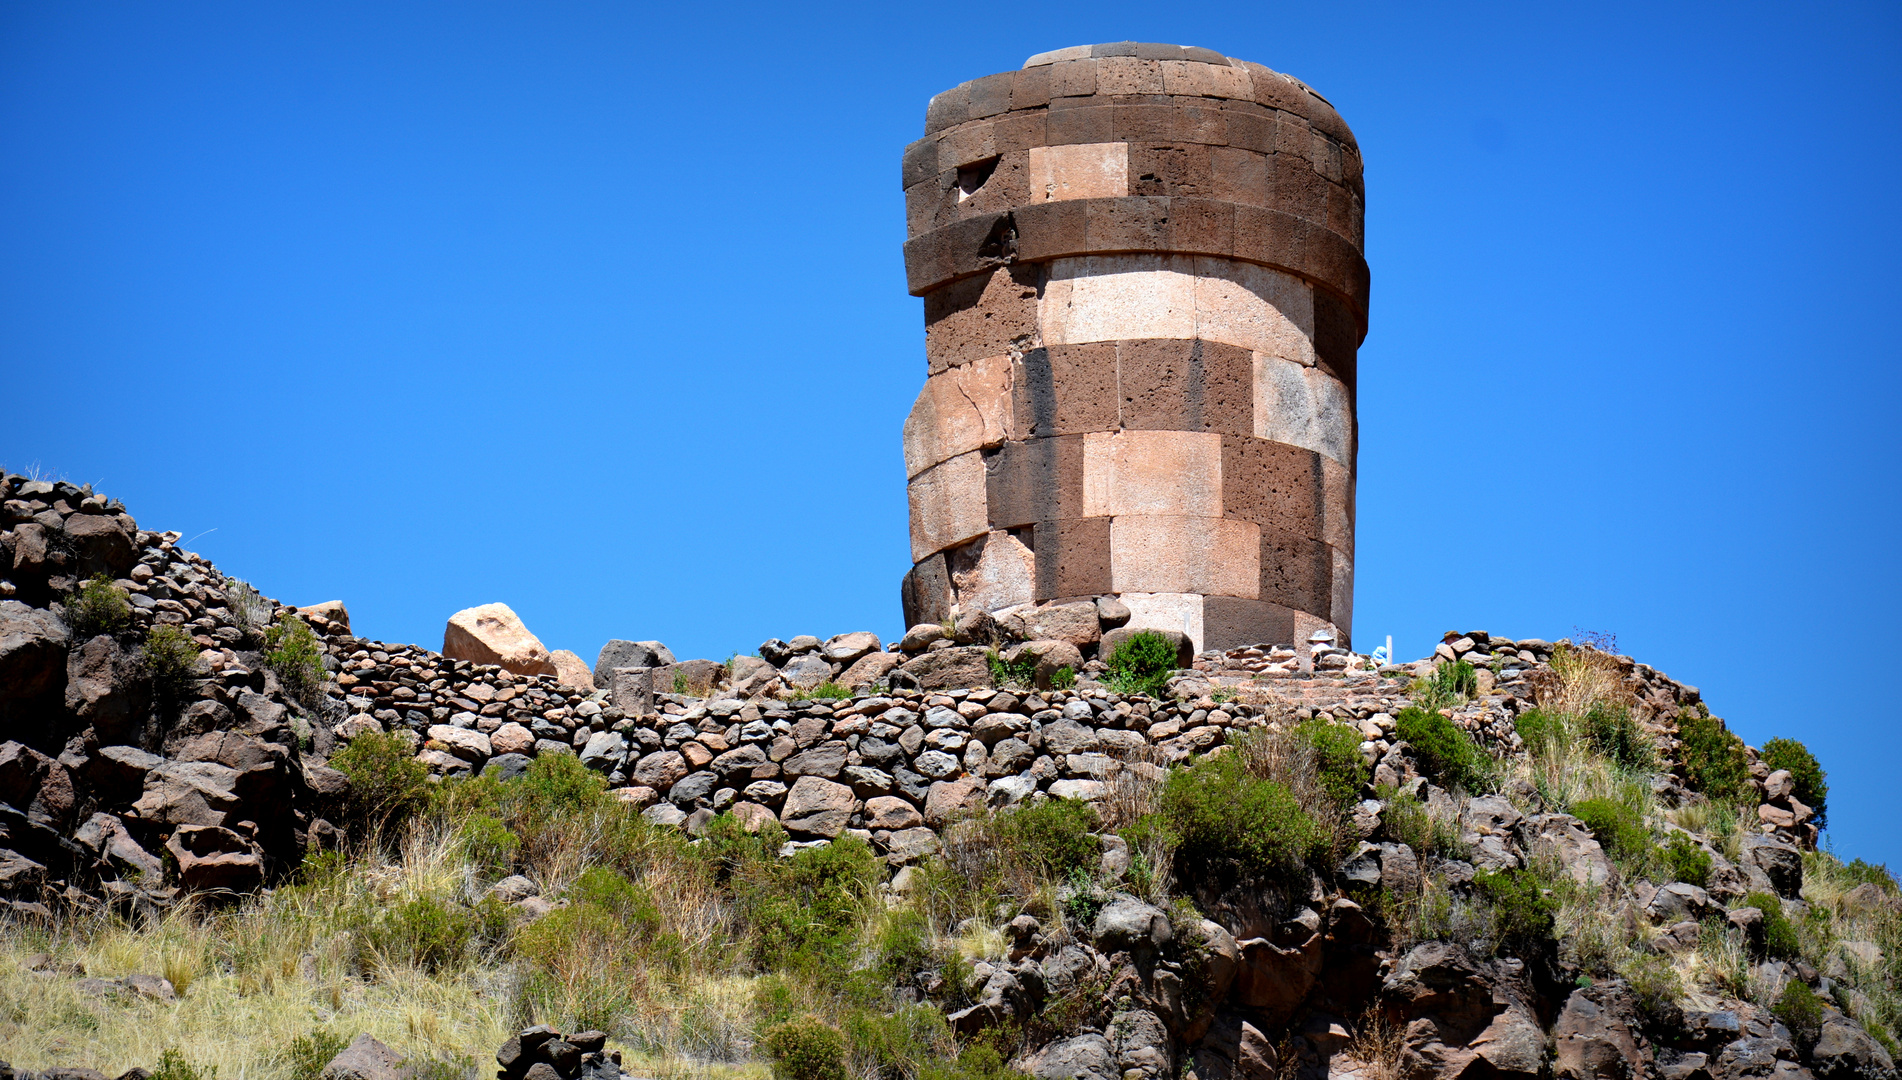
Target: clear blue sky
599 311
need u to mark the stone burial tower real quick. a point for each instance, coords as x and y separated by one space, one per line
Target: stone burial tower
1144 290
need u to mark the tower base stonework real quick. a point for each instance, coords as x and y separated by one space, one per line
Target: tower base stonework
1144 293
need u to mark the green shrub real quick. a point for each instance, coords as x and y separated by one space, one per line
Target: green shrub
1779 933
1457 681
308 1054
804 910
1226 824
825 691
1801 1011
1406 821
805 1049
1446 754
170 659
681 683
903 948
558 938
1019 672
1337 758
1611 731
904 1043
1064 678
424 933
1053 837
1876 874
1141 664
97 607
295 654
1811 787
173 1066
488 844
387 785
1521 912
1713 759
1654 984
1541 731
1687 861
609 890
1621 829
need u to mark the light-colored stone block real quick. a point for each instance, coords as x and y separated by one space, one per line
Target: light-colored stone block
1079 171
961 409
947 505
1254 307
997 571
1131 297
1074 52
1128 75
1166 611
1208 555
1302 406
1152 472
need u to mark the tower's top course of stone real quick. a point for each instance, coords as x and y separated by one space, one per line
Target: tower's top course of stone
1224 158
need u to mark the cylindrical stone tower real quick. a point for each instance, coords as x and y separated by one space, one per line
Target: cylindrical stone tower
1144 290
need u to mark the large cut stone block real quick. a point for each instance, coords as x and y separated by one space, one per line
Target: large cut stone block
961 409
1297 572
1213 556
1302 406
1195 385
1280 487
1080 171
925 594
992 314
1231 622
1180 612
1073 557
1065 390
947 505
1152 472
1036 480
992 572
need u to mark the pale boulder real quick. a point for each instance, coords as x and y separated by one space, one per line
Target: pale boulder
818 807
330 611
493 634
572 671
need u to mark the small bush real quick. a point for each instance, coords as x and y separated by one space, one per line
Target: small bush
805 1049
387 785
903 948
249 611
1406 821
1019 672
1713 759
488 844
97 607
1541 731
1521 912
424 933
1687 861
1811 785
170 659
1141 664
1610 730
1446 754
829 691
1227 824
1052 837
804 910
609 890
1337 758
295 654
1876 874
1779 933
905 1043
1654 983
1801 1011
1620 829
308 1054
1457 681
173 1066
1063 678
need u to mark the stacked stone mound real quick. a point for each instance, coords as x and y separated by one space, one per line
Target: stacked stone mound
99 779
1144 294
543 1053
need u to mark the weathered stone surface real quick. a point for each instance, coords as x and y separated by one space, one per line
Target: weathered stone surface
1076 623
628 654
886 812
33 646
817 807
332 613
946 801
1592 1039
211 858
571 670
958 666
1573 845
465 743
494 634
1846 1050
869 669
848 648
660 770
365 1059
1081 1057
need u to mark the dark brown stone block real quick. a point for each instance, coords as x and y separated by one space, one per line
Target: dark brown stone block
1337 336
1169 169
1073 557
1192 385
1282 488
1297 571
1294 187
1240 176
1034 480
1202 226
1232 623
1071 126
948 109
1249 130
921 162
1030 88
1018 131
1053 229
990 95
1128 224
989 314
1142 123
1065 390
926 592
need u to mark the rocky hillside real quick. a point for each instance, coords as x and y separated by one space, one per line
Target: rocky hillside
1043 843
